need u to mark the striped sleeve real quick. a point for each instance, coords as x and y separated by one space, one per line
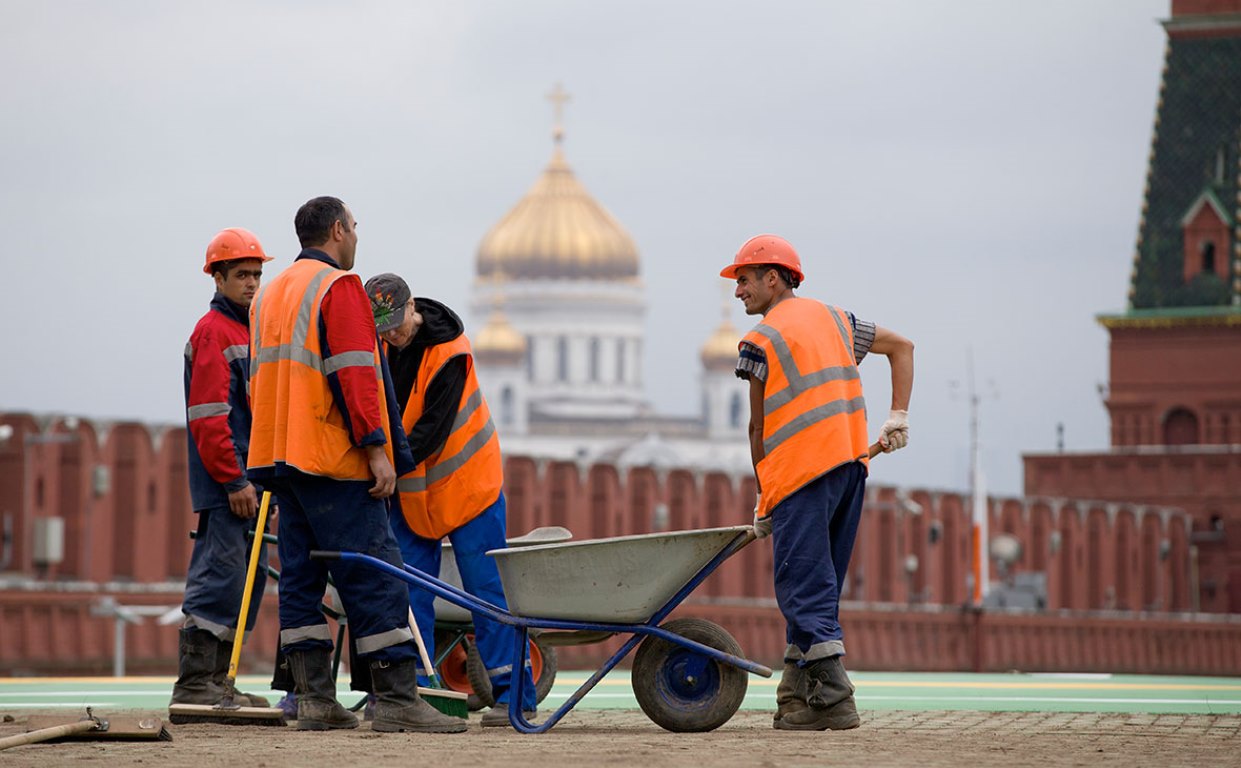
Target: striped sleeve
349 359
208 408
751 361
863 337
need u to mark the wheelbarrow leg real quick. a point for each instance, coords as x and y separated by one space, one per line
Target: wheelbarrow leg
515 716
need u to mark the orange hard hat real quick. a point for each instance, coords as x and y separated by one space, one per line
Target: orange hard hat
765 249
232 244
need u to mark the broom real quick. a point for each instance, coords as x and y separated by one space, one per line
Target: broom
451 703
227 712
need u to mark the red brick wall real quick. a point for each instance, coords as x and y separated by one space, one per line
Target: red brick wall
911 559
1203 481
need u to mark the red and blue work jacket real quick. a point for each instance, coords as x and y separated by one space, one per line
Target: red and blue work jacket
217 369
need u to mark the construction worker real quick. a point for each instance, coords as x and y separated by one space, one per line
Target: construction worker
217 367
323 444
808 440
455 490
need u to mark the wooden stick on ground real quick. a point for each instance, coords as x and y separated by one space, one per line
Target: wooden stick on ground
47 734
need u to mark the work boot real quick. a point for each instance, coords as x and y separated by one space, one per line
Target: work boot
398 707
224 657
497 716
317 707
791 692
829 694
196 651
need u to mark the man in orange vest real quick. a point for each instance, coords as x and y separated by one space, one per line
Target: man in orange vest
809 444
455 490
322 442
217 366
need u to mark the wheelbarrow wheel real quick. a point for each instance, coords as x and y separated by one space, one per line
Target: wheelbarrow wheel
682 690
454 667
543 667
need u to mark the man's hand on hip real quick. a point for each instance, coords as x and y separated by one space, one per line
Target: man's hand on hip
381 468
894 434
244 503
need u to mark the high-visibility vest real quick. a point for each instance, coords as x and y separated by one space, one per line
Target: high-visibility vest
814 417
297 422
461 480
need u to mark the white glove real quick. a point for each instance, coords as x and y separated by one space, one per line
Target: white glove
895 431
762 525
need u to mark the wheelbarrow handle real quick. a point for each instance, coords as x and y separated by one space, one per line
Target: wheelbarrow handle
324 554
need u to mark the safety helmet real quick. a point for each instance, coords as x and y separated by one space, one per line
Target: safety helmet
765 249
232 244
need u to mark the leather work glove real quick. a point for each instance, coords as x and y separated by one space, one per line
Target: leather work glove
762 525
895 431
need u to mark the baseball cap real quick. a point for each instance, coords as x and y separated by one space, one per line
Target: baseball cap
389 294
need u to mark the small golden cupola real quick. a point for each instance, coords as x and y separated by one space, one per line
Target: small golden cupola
719 353
499 343
558 230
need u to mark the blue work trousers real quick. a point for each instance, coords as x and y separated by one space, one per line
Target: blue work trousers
217 574
339 515
813 530
479 577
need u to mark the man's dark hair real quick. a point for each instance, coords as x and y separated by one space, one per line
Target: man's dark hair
223 268
314 220
782 272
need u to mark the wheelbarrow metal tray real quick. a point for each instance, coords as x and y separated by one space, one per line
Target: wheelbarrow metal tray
622 580
446 611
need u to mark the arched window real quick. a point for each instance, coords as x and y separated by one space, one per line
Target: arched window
1208 256
1180 427
506 405
734 411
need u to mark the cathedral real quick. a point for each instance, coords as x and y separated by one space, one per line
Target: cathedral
558 280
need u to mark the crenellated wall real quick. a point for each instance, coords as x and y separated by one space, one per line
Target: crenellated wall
120 489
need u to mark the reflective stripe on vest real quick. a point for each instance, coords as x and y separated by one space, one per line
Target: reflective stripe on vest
461 480
297 421
814 415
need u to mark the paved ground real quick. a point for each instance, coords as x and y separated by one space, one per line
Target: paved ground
925 720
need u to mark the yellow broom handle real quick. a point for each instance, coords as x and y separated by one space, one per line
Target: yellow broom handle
259 527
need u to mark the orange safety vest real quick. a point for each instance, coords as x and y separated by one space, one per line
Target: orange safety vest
296 420
814 417
463 478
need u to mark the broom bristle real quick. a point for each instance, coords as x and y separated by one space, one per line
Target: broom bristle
447 701
188 714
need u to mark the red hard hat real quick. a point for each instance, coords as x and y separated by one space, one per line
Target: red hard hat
232 244
765 249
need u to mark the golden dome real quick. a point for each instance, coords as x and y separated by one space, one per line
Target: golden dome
498 341
558 231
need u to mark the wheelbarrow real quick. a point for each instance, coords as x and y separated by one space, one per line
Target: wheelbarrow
688 674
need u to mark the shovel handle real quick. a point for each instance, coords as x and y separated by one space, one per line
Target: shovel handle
47 734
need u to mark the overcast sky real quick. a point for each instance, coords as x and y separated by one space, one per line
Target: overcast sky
968 174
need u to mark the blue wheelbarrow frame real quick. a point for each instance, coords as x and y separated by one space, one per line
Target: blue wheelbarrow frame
523 625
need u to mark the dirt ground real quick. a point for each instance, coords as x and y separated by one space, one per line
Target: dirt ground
626 738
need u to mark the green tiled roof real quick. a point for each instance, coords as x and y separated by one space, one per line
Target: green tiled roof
1199 118
1167 317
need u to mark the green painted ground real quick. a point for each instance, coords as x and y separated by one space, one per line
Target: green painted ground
875 690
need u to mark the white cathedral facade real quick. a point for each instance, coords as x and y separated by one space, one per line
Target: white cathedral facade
560 355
